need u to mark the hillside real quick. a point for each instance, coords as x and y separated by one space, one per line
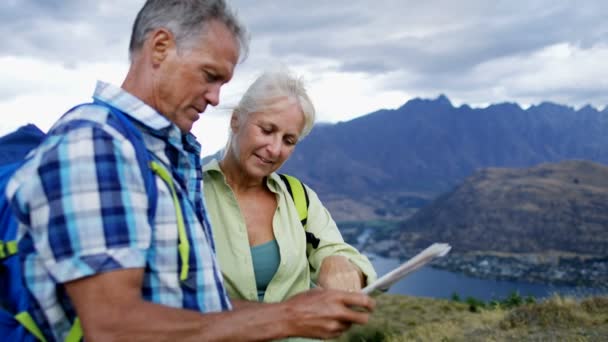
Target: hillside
552 207
402 318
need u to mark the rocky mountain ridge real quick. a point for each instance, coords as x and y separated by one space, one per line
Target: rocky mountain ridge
384 164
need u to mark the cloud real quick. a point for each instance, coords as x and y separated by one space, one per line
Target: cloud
68 31
435 39
474 51
357 56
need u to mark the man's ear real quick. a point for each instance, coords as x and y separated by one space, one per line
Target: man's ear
161 42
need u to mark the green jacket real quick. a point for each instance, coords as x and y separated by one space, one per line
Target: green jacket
296 271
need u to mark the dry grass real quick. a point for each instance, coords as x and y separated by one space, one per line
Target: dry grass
402 318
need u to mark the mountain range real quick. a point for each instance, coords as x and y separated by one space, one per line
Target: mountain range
384 164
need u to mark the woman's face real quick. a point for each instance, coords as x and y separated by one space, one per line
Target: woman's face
262 141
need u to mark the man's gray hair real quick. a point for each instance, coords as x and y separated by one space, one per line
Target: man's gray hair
186 19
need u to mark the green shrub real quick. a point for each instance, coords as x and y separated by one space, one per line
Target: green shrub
513 300
475 305
553 312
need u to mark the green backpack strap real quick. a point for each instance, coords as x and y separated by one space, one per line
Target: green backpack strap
24 318
299 195
28 323
183 244
75 334
8 248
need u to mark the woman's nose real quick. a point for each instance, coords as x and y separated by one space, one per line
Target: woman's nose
274 147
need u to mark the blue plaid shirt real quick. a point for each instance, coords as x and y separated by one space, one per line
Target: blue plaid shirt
82 204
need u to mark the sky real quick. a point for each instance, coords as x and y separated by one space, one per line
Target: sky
356 56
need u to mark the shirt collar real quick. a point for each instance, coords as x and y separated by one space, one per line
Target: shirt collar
143 113
273 181
212 165
130 105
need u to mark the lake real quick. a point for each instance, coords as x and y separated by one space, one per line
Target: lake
435 283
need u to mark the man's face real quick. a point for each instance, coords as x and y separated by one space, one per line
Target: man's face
190 79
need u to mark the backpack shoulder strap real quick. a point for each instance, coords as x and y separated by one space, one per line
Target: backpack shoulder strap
299 196
16 145
144 158
149 168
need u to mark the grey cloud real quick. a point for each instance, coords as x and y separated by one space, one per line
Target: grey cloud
378 36
576 96
32 10
471 33
10 90
280 19
67 31
472 89
438 44
435 46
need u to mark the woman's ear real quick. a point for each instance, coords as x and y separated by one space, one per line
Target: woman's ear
234 122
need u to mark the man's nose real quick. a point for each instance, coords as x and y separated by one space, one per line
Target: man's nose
213 95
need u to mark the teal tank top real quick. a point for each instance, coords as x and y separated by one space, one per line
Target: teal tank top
266 259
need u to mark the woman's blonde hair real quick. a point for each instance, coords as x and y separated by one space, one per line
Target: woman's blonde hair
272 85
263 93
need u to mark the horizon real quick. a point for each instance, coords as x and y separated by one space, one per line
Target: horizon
523 106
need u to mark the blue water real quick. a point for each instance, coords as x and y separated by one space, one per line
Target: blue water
435 283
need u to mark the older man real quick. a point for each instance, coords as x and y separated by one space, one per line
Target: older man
101 250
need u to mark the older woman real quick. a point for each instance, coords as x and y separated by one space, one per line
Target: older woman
261 243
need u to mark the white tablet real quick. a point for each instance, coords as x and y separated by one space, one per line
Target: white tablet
433 251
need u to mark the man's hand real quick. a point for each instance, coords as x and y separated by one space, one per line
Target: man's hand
337 272
321 313
110 308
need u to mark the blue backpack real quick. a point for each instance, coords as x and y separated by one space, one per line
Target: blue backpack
16 324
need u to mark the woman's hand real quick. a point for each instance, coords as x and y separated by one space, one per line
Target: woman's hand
337 272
